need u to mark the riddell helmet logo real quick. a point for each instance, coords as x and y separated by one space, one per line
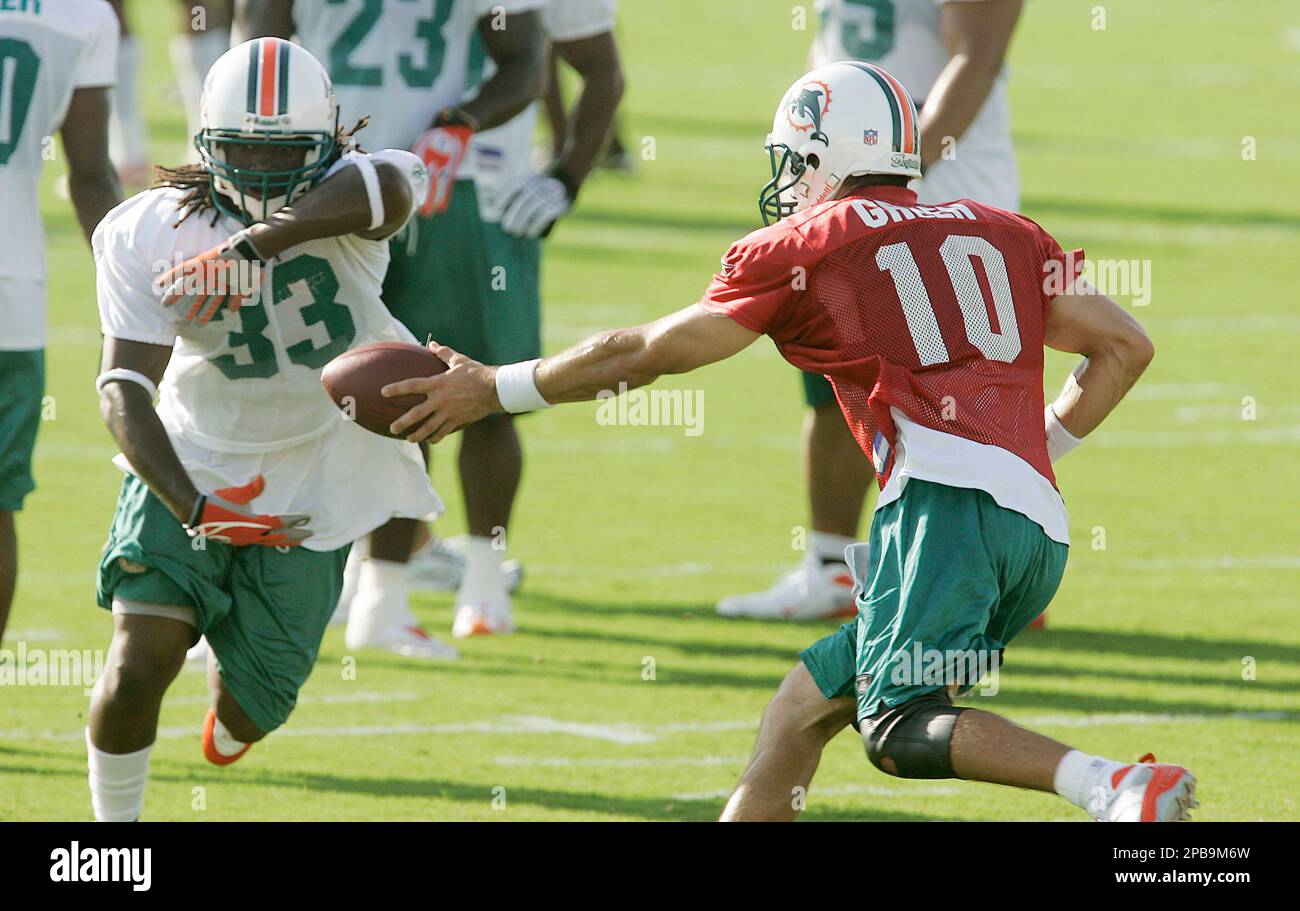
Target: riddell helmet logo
806 106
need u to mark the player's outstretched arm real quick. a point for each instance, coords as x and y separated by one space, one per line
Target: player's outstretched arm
338 205
976 36
92 180
204 285
606 362
1115 348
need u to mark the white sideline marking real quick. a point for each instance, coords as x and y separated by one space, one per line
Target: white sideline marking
365 696
33 635
836 790
628 735
1264 436
1286 561
1099 720
625 762
1183 391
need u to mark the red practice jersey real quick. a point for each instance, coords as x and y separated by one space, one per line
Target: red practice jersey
932 314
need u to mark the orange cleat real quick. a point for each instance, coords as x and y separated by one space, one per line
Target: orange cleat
210 752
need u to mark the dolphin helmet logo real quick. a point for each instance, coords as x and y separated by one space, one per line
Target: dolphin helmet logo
806 106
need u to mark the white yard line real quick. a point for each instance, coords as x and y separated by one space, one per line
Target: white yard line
836 790
342 698
633 735
1216 564
618 762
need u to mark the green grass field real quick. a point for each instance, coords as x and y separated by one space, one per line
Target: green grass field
1179 636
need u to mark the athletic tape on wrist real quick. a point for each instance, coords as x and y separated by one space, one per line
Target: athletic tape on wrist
517 388
130 376
1059 440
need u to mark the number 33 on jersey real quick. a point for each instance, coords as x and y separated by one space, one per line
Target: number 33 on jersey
248 380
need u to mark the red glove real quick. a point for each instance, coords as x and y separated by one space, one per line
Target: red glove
220 517
225 276
442 149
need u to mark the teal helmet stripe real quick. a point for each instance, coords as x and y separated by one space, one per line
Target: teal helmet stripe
283 106
894 111
253 54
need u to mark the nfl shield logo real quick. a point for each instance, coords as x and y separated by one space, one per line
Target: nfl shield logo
870 137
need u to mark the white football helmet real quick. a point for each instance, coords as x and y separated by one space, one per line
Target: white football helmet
266 92
836 122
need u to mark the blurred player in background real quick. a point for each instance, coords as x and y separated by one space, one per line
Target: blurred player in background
949 54
210 535
614 155
57 64
931 321
518 208
202 35
406 65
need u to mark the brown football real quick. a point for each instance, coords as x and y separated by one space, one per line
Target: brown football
354 378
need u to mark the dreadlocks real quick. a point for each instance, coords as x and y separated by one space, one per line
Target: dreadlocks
195 180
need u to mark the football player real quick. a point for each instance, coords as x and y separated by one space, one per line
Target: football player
930 321
406 65
57 63
223 292
949 54
518 207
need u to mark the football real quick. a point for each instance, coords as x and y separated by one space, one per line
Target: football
354 380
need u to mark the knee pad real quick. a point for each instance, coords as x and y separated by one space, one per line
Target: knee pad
916 737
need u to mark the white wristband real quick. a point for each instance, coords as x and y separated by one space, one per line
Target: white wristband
1059 440
131 376
370 177
517 388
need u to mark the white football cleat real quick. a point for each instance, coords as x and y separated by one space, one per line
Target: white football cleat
439 566
483 617
199 650
812 591
1147 791
380 619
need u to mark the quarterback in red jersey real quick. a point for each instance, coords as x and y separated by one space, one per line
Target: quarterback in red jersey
930 321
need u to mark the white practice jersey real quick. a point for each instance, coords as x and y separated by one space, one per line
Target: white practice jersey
500 158
242 395
48 49
903 37
399 62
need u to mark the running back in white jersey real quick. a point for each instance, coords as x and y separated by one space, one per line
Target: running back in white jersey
247 381
48 49
903 37
498 159
399 61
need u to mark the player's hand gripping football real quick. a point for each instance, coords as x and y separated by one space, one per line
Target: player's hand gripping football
442 149
465 393
223 277
223 516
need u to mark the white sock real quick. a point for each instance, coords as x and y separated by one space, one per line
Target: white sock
226 745
117 782
351 575
1079 774
193 54
389 578
825 546
127 142
483 568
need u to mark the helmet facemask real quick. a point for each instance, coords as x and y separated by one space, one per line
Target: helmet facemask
252 194
777 200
